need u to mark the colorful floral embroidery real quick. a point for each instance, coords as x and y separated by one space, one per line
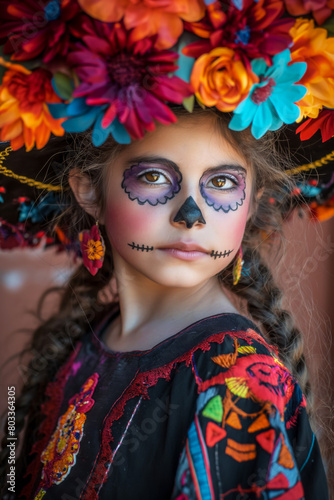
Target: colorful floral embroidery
262 377
60 454
240 412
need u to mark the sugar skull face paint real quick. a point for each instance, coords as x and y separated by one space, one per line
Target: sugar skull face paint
217 255
143 248
189 213
224 190
162 242
151 183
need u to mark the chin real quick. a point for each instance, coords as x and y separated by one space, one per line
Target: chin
178 280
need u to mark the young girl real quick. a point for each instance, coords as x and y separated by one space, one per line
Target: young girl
173 394
155 386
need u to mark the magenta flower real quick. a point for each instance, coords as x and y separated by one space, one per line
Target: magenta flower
37 28
130 77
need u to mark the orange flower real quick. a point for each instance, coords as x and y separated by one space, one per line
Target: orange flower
221 79
24 114
94 250
312 46
163 18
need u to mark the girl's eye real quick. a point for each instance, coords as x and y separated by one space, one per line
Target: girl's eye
222 182
154 177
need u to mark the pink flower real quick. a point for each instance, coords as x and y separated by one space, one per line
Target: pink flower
131 78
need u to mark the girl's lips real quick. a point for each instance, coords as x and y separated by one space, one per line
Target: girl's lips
184 254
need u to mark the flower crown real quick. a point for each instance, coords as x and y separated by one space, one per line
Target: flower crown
114 67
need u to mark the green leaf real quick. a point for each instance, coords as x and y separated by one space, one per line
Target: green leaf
63 85
188 103
329 26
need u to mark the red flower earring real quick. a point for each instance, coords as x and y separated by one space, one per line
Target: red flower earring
237 267
92 248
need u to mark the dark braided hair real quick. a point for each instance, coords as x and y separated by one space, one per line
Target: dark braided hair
85 297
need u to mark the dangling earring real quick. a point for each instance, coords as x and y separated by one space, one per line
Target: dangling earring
92 248
237 267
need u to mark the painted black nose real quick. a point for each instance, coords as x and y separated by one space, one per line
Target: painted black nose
189 213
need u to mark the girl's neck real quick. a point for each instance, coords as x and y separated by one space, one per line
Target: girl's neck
150 313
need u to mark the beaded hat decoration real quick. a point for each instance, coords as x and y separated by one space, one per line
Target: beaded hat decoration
114 68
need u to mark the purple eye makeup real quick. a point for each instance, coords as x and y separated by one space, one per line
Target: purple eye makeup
151 183
225 190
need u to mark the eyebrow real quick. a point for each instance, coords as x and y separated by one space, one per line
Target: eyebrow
170 163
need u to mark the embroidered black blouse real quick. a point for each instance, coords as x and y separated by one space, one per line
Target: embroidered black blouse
209 413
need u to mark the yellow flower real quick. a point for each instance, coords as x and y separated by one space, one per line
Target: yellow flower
312 46
94 250
220 79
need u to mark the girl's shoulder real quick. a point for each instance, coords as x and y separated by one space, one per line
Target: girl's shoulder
241 362
250 432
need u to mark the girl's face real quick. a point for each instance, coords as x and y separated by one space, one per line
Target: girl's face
177 203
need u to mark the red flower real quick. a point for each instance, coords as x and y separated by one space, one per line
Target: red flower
321 9
324 122
37 27
132 78
257 30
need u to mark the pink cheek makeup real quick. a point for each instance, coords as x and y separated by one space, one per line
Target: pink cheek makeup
143 191
224 199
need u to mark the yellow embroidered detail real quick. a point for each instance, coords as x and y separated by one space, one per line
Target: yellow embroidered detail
315 164
246 349
40 494
238 386
21 178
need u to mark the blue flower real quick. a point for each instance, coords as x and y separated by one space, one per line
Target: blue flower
308 189
39 211
80 117
270 102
